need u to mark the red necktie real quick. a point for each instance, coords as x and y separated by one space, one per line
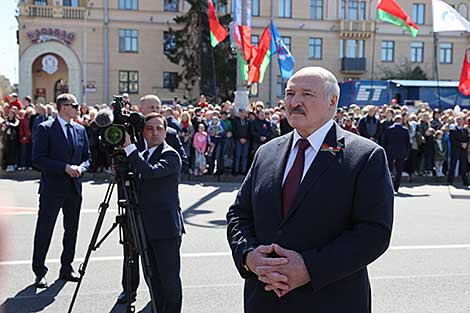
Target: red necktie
292 183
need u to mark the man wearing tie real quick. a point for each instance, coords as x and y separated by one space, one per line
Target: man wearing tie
315 208
158 171
61 152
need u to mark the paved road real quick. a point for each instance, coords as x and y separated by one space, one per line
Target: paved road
427 268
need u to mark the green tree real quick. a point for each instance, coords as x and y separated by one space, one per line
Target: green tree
5 86
188 45
405 71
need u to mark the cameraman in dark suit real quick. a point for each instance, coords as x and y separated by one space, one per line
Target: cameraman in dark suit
157 171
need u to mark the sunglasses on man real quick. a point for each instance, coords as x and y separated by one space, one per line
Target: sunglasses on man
73 105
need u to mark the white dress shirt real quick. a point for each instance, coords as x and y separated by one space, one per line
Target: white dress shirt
62 123
316 140
130 148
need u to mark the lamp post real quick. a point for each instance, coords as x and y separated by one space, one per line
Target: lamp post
85 53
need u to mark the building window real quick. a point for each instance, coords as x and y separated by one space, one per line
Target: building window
128 4
316 9
128 82
315 48
445 53
220 6
128 40
351 48
417 49
40 2
254 40
70 3
388 51
254 7
356 10
169 42
254 90
170 6
170 80
285 8
286 41
418 13
280 87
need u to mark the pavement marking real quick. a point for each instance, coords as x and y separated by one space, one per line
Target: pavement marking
17 210
227 253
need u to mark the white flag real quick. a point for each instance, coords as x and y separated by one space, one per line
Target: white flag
447 19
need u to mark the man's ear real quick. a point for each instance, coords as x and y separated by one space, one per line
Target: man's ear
333 101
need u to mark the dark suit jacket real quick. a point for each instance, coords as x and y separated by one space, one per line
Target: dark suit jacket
50 155
340 221
396 141
457 137
157 186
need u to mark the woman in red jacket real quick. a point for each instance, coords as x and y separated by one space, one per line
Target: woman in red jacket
26 140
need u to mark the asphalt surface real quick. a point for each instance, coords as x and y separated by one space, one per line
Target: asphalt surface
427 268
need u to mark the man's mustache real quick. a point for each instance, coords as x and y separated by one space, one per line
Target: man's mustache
297 110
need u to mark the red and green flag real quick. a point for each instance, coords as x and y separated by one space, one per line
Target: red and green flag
218 32
260 62
390 11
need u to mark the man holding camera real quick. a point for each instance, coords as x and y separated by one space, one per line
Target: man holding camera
157 170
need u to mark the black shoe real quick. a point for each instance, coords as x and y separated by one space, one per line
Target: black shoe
71 277
122 298
40 282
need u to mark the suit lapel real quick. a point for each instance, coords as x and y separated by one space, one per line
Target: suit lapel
279 166
62 137
156 154
321 163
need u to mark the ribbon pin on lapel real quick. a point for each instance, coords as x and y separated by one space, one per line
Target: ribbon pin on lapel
332 150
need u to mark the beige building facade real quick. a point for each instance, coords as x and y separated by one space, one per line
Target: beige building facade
98 48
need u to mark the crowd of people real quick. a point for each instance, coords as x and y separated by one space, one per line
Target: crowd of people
219 139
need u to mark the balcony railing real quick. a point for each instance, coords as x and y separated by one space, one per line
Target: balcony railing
356 29
49 11
353 65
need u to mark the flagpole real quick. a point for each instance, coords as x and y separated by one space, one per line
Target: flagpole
373 55
216 94
271 66
436 70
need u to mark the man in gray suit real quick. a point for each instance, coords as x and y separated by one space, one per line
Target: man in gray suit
158 170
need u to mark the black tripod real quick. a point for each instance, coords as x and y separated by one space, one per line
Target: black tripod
131 233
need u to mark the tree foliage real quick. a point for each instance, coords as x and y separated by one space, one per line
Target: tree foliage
5 86
192 51
404 71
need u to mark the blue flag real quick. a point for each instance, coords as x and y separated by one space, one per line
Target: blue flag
284 57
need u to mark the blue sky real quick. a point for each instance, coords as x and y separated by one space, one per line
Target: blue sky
8 47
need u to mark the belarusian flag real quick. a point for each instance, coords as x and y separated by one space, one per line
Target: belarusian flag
464 84
261 61
218 32
390 11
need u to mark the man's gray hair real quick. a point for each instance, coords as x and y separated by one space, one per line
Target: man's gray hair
150 97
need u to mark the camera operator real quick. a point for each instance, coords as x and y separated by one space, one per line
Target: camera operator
157 173
149 104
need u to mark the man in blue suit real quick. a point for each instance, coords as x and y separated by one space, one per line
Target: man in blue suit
158 170
313 211
61 152
397 144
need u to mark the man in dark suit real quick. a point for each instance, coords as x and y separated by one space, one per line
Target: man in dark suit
397 144
368 125
61 152
314 210
158 171
458 151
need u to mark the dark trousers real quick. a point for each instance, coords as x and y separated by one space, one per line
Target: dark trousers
396 164
26 155
165 264
461 156
49 206
129 251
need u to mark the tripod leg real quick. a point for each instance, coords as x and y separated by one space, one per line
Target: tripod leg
102 212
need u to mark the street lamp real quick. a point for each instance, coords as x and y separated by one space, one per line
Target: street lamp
87 6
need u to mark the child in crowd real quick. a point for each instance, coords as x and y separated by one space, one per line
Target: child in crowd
440 152
200 145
